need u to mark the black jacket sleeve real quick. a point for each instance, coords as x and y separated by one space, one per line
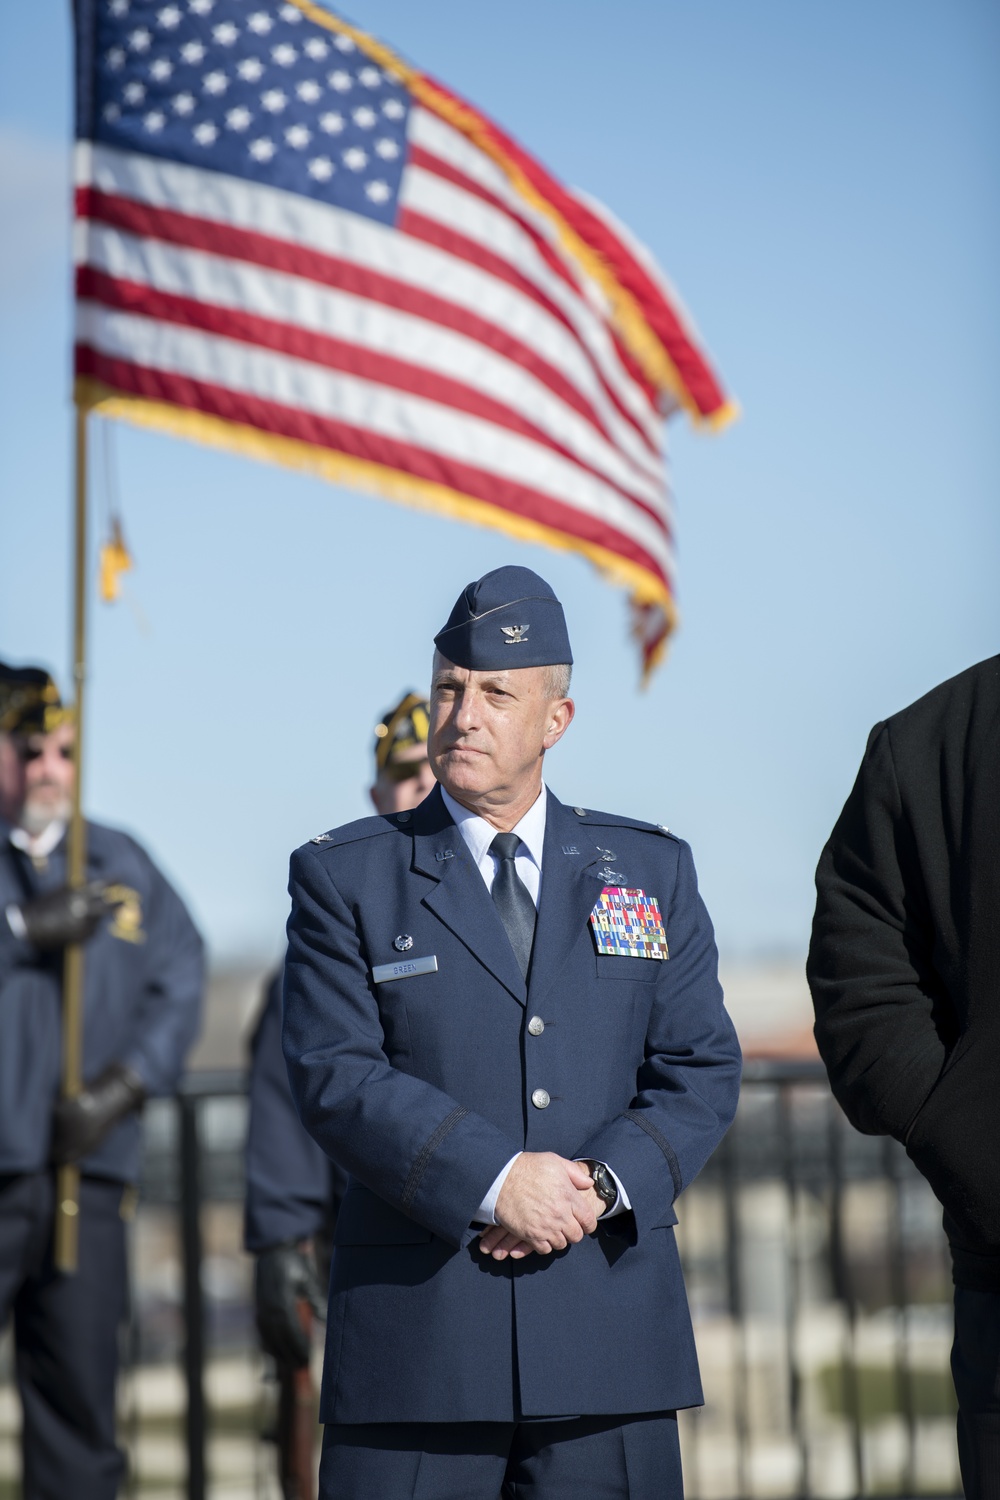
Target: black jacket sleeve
882 1018
906 952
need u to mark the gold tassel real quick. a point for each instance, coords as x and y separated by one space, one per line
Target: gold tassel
115 560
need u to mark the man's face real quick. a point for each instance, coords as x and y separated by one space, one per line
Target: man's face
489 730
42 784
395 792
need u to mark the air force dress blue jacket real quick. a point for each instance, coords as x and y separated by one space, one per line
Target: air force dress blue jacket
293 1187
423 1086
143 983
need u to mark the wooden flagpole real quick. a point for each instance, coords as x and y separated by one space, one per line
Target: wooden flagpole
68 1178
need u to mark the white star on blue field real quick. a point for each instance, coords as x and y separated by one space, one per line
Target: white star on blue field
264 94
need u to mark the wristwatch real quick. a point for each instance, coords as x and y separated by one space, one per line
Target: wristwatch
604 1184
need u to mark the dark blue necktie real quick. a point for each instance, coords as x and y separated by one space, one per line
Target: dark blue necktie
513 900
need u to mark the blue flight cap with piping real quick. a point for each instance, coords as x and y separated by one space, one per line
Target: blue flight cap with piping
510 618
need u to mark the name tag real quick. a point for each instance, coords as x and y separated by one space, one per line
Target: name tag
627 924
406 968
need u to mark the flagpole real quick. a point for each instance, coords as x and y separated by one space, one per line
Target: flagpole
68 1177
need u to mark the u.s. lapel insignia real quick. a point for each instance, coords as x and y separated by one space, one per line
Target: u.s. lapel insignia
628 924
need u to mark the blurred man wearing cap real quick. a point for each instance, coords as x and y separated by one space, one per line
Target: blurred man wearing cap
503 1018
142 997
293 1188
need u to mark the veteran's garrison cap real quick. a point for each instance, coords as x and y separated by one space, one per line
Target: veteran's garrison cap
30 701
401 728
510 618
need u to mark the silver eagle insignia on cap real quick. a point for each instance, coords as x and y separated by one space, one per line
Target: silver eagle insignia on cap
515 634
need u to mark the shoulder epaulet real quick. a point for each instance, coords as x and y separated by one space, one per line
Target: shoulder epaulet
613 820
353 833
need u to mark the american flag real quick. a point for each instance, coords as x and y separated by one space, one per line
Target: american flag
293 244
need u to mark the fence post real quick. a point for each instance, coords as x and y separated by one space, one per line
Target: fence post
194 1305
737 1311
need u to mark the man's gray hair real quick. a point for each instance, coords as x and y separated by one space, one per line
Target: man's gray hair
558 680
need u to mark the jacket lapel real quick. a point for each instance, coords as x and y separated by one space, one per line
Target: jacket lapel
570 888
459 897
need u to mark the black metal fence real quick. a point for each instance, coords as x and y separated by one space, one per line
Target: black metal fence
817 1271
820 1283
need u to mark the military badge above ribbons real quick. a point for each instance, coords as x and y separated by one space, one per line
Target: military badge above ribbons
628 924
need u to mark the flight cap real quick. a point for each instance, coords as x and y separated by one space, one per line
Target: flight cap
510 618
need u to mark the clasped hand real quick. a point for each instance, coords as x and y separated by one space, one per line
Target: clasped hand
545 1204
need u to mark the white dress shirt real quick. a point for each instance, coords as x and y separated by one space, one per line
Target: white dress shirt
479 835
38 845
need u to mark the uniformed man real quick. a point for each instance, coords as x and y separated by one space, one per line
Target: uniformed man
293 1188
503 1019
143 984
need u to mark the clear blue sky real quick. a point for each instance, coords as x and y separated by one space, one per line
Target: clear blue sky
820 181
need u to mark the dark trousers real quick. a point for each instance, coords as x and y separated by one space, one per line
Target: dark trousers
65 1336
975 1365
582 1458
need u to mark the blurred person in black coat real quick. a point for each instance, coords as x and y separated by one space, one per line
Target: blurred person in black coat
904 969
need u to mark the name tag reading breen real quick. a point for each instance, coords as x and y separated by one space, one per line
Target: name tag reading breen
406 968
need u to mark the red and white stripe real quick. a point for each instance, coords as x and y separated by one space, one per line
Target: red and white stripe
463 346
